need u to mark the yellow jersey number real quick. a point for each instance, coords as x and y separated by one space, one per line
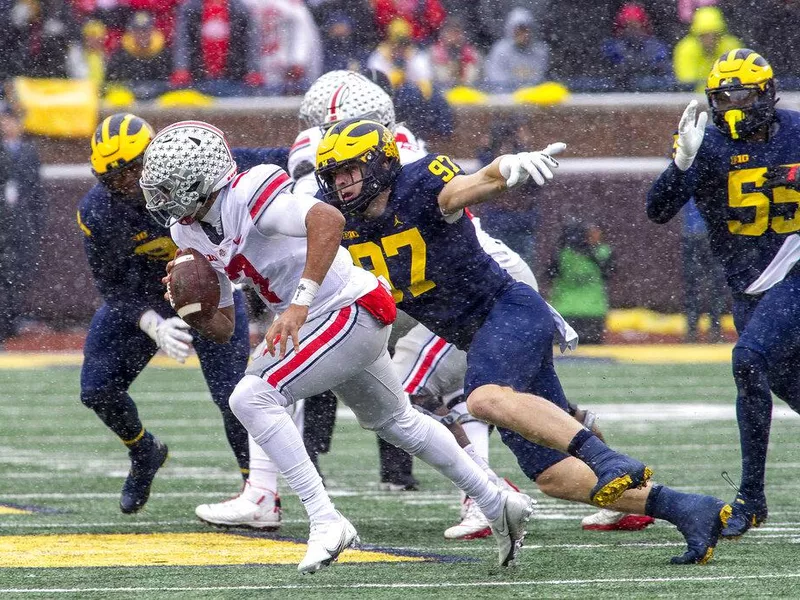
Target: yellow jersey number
744 191
444 168
390 245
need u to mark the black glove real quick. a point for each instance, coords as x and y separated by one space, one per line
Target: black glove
783 176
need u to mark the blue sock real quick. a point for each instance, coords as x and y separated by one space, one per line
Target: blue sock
589 448
663 503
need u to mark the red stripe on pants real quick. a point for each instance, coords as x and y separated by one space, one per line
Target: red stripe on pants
308 351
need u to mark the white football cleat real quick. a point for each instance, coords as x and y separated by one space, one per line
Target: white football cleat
509 527
474 525
612 520
326 542
254 508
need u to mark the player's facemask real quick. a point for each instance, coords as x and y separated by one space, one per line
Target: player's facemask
740 111
176 198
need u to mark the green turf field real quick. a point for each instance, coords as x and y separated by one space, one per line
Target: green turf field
61 473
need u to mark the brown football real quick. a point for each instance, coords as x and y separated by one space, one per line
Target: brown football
194 286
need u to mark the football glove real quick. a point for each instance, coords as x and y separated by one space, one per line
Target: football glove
169 334
781 176
517 168
690 136
172 338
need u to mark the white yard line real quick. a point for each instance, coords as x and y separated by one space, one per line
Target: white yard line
636 582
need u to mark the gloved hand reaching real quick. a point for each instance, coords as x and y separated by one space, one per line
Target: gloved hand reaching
517 168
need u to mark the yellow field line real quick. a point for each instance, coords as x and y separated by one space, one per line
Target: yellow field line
653 354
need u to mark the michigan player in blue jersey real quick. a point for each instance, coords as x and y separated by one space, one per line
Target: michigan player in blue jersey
127 251
408 225
741 171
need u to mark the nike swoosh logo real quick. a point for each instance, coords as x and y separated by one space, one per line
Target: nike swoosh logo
339 547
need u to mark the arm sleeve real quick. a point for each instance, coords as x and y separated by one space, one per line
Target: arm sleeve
286 215
670 192
493 70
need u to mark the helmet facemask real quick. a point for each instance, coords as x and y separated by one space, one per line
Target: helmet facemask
177 197
372 184
739 110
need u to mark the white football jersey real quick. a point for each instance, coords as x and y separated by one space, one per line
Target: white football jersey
263 244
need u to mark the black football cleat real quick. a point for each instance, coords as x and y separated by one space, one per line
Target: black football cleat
145 463
700 519
747 512
615 476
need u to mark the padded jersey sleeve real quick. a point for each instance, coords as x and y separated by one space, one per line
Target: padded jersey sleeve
429 176
286 215
264 184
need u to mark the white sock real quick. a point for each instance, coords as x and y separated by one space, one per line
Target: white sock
430 441
258 406
481 462
263 472
478 434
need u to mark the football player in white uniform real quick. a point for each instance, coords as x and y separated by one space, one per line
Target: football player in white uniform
330 333
432 370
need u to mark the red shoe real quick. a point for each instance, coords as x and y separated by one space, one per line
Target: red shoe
611 520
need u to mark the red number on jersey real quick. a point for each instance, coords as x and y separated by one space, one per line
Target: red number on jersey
240 266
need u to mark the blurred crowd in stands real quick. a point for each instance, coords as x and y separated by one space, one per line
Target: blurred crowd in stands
278 47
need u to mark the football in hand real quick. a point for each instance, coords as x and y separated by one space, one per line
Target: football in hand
193 286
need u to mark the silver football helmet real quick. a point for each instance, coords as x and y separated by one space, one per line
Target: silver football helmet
183 165
339 95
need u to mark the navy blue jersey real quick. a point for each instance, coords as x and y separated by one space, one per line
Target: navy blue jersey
127 250
438 271
747 223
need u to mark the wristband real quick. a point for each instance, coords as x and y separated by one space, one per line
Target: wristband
305 293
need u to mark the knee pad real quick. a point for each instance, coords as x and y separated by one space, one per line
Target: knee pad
96 399
251 394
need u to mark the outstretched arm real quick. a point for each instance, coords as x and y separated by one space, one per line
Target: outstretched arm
503 173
